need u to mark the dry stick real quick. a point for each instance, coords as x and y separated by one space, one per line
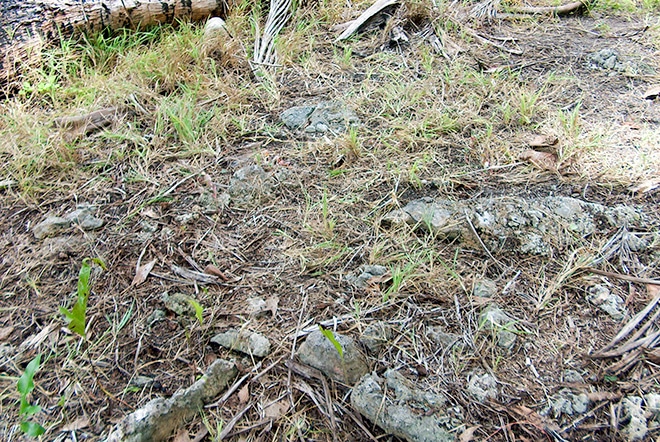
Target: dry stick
230 425
358 421
632 324
623 277
552 10
625 347
474 231
484 40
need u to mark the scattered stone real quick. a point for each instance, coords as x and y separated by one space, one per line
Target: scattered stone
249 185
319 352
61 246
572 376
186 218
652 402
632 410
141 381
565 402
533 226
443 339
179 304
405 411
156 316
612 304
485 288
361 278
254 344
495 319
482 386
257 307
607 59
375 336
158 419
51 226
212 204
319 119
84 217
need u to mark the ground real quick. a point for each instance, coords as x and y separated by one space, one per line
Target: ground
442 114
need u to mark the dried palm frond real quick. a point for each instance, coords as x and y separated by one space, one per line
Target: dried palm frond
264 44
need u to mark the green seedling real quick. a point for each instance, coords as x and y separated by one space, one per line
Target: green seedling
199 310
331 337
76 318
25 386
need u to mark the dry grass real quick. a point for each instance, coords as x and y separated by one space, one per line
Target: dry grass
446 125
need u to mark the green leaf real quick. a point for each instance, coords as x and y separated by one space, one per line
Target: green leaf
83 280
29 410
331 337
199 310
32 429
25 383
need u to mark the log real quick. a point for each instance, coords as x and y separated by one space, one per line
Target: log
27 26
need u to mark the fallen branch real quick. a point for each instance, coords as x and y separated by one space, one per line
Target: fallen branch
356 24
548 10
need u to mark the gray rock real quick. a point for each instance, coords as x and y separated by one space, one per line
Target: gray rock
376 336
158 419
84 217
179 304
443 339
360 279
608 302
497 320
512 224
482 386
51 226
572 376
257 307
565 402
485 288
254 344
155 316
326 116
319 352
652 405
250 184
297 117
637 427
403 410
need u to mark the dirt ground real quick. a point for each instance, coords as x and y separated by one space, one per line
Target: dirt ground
299 241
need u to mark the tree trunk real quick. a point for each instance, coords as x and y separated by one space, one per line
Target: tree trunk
26 26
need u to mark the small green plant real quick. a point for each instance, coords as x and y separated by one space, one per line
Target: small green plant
199 310
77 316
331 337
25 386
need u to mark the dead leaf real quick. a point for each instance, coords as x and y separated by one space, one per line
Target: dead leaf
653 92
646 186
277 409
543 141
652 355
182 436
213 270
78 424
468 434
5 332
244 394
542 160
150 213
35 341
653 290
143 272
271 304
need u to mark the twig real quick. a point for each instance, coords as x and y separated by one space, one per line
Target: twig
474 231
548 10
230 425
622 276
